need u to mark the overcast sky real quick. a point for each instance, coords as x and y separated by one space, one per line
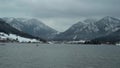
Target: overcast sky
59 14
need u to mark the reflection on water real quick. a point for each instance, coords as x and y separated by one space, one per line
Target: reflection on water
59 56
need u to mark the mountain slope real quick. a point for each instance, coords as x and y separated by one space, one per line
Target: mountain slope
15 38
111 38
90 29
7 29
32 26
79 31
108 25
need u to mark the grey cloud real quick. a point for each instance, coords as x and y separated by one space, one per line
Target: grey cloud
62 9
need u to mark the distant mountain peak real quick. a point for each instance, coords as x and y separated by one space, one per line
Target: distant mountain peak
8 29
91 28
32 26
90 20
79 23
109 18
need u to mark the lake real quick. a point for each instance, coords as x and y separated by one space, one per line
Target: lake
16 55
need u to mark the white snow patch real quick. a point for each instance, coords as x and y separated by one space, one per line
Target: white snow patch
20 39
75 37
76 42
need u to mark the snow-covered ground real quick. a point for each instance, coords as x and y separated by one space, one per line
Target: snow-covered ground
76 42
19 38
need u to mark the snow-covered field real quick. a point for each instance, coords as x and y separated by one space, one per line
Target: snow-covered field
19 38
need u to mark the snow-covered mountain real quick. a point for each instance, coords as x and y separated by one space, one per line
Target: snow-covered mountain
90 29
8 32
32 26
85 30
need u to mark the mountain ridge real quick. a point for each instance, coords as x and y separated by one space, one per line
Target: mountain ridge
6 28
90 30
32 26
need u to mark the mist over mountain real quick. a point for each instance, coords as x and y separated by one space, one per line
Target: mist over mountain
90 29
5 28
32 26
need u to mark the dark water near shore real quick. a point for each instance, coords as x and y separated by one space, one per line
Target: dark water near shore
59 56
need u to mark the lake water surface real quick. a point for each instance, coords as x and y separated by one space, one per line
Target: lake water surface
59 56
